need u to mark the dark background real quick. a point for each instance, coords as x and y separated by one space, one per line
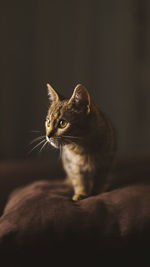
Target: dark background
103 44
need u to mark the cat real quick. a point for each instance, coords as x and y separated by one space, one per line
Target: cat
86 138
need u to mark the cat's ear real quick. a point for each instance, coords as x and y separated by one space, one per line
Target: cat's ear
81 97
53 96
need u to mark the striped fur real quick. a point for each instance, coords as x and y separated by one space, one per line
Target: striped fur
87 142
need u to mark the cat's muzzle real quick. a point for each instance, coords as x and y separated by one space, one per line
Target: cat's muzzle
53 141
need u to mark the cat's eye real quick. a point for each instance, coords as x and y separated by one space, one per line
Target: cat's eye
62 124
48 123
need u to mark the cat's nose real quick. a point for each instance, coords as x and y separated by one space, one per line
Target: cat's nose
50 134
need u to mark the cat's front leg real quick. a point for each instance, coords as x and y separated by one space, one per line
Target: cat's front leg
79 197
79 192
82 187
67 180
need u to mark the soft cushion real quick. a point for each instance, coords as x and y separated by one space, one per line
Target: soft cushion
42 225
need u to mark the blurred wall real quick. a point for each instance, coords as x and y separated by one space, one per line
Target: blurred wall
103 44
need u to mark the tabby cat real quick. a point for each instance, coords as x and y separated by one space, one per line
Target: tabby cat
86 138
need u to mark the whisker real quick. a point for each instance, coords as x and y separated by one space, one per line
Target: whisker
60 149
71 137
43 146
36 139
34 131
36 146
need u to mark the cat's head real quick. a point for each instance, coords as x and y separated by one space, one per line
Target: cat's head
67 120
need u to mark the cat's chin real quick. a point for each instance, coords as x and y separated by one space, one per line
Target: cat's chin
53 142
54 145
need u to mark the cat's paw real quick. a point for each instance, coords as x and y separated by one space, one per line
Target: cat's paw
78 197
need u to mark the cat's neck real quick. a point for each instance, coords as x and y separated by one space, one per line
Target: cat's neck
74 148
88 147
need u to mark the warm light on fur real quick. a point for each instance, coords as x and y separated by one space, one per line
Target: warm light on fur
87 140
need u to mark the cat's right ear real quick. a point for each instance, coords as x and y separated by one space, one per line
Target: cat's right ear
81 97
53 96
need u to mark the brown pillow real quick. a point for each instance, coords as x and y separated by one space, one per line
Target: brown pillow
42 225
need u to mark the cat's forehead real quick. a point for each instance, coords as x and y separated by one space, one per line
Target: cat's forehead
58 109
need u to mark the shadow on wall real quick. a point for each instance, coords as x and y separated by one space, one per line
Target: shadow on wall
104 46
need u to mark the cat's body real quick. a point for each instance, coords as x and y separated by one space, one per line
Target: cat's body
86 139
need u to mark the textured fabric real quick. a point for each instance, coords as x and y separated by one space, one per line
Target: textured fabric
41 225
41 221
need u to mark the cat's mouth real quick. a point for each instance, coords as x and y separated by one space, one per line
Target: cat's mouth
57 142
53 141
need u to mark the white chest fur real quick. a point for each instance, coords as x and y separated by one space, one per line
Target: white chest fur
75 163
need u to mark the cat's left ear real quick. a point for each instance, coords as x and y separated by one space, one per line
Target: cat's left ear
53 95
81 97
